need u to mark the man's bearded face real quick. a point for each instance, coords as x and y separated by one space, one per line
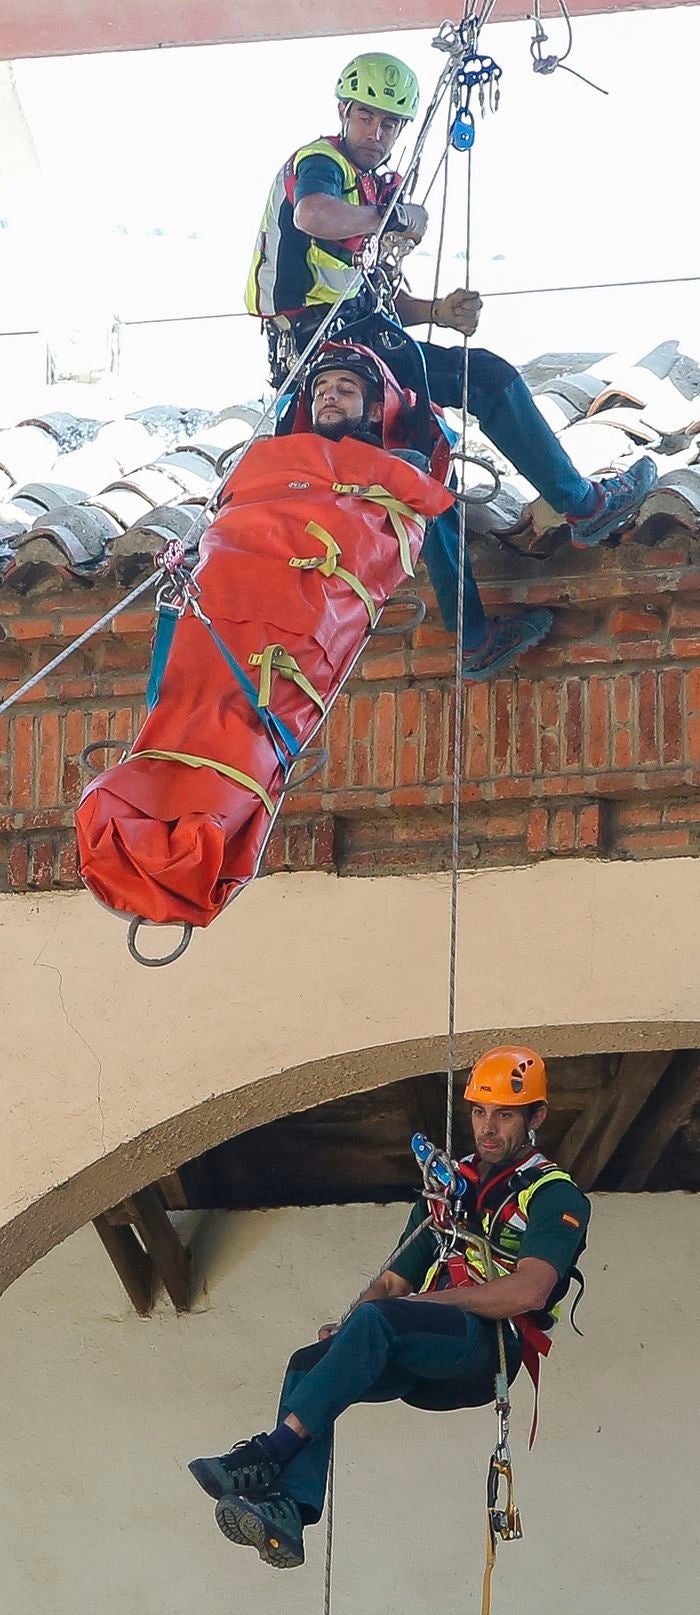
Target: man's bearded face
338 403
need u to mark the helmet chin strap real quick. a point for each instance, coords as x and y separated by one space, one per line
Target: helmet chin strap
366 425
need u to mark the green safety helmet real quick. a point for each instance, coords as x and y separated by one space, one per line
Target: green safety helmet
376 80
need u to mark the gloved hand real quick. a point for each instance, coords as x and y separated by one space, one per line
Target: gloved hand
417 221
459 311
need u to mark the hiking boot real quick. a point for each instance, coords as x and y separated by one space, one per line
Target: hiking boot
506 639
271 1524
248 1470
619 500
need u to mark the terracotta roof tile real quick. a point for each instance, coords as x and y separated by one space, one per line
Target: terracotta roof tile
85 497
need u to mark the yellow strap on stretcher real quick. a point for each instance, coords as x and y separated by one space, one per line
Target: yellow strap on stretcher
330 567
209 762
396 510
275 659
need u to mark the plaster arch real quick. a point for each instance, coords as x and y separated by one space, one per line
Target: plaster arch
308 989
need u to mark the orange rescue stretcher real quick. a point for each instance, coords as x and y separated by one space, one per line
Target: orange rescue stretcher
311 539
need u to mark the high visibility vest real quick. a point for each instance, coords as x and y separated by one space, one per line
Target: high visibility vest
498 1208
291 270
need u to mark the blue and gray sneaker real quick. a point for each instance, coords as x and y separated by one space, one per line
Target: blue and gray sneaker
270 1524
619 500
248 1468
506 639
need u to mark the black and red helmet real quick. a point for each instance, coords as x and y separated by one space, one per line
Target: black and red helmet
342 356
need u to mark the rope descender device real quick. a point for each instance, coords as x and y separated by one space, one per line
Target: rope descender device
503 1520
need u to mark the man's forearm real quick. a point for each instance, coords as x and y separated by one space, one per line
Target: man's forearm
330 219
525 1290
413 310
390 1287
492 1300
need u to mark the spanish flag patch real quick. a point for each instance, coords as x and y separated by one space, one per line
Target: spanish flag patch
572 1221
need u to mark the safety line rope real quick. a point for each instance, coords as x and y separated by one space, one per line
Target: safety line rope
454 883
44 672
445 160
459 715
330 1489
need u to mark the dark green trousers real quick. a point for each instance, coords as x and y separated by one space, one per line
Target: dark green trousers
432 1356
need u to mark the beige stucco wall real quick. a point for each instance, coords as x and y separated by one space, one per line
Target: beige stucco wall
307 988
100 1413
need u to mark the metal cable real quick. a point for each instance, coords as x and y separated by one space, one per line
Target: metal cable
459 713
443 217
38 678
454 886
436 175
570 45
330 1506
330 1490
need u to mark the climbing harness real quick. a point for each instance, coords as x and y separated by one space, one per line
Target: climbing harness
443 1189
503 1520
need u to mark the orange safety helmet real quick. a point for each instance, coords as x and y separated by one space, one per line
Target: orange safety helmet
508 1076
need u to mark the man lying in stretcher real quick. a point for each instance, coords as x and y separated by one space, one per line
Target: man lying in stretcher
311 539
343 392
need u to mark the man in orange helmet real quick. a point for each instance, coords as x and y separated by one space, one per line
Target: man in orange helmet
425 1332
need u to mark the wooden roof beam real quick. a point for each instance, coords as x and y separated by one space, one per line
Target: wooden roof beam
671 1109
595 1135
145 1249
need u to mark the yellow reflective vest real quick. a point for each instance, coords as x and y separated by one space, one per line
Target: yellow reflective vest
291 270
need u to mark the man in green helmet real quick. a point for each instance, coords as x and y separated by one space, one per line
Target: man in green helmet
329 197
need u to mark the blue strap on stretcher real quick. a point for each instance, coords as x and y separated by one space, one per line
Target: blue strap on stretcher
285 747
166 619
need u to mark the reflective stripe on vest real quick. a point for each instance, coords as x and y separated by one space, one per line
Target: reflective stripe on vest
468 1266
510 1216
285 255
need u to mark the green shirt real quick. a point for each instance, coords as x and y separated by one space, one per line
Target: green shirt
549 1235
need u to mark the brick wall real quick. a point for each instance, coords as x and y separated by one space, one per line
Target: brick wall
592 748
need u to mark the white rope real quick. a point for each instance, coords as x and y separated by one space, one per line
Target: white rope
445 159
549 64
330 1490
459 716
330 1507
454 881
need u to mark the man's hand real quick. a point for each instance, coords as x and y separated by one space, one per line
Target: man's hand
417 222
327 1330
459 311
